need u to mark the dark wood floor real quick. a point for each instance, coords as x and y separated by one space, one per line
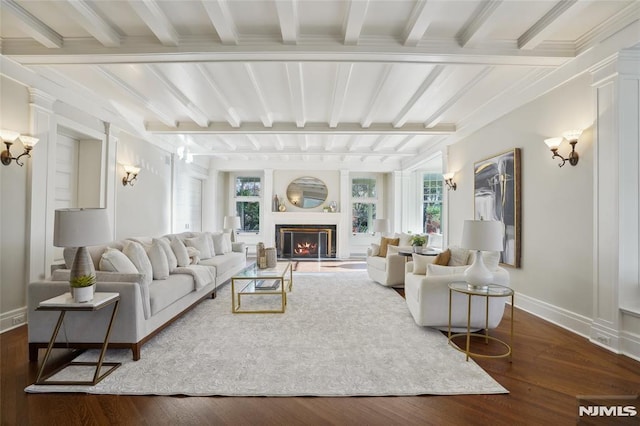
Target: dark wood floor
550 367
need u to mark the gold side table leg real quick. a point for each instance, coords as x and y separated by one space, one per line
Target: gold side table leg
468 325
96 376
486 322
449 334
56 330
511 337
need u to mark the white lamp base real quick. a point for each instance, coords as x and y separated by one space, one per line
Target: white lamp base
478 276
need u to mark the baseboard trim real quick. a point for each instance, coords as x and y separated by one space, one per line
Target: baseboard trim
13 319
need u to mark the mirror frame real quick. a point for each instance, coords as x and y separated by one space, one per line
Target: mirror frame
305 183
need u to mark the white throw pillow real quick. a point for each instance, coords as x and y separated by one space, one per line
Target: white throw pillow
459 256
439 270
180 251
227 247
136 253
375 249
159 262
393 250
171 256
113 260
405 239
491 259
209 237
201 244
218 243
420 264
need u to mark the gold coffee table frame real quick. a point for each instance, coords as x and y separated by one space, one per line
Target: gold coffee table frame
282 272
492 290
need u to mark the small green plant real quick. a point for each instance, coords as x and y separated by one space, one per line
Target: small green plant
83 281
418 240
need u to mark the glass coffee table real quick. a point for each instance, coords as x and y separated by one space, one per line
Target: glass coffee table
253 281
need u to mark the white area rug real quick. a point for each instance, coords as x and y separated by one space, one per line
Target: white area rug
342 335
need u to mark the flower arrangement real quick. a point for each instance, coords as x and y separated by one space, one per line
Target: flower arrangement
418 240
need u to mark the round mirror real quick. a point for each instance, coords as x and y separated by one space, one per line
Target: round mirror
307 192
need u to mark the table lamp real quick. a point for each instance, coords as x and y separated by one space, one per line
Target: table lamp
481 235
381 226
80 228
232 223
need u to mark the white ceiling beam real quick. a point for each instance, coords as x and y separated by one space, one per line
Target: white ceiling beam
149 11
315 154
340 88
310 128
379 142
329 142
548 24
267 121
476 26
33 26
254 142
304 143
94 24
296 91
420 19
279 144
621 19
354 20
436 116
135 94
230 146
288 17
194 112
404 142
402 117
232 116
140 50
377 99
220 16
353 143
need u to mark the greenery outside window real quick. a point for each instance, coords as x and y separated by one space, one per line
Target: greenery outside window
364 198
247 194
432 203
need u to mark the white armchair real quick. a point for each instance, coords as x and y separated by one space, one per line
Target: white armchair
388 270
427 297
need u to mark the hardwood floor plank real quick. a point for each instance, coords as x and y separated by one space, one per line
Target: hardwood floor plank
551 367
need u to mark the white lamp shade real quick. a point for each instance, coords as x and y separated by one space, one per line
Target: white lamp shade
381 225
448 176
28 141
231 222
572 135
131 169
483 235
8 135
81 227
553 143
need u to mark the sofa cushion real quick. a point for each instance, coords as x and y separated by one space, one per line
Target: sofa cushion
136 253
163 293
172 261
180 251
226 263
384 242
221 242
377 262
159 262
113 260
420 263
200 243
433 270
459 256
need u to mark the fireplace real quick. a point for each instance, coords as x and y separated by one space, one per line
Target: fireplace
306 241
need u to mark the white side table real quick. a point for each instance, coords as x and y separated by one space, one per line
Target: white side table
65 303
492 290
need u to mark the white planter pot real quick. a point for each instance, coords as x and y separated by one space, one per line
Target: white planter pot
82 294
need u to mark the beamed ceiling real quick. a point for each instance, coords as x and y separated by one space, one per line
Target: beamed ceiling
361 84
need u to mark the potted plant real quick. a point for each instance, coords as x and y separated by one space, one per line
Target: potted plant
82 288
417 241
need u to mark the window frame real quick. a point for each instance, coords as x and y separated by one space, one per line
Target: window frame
248 199
375 200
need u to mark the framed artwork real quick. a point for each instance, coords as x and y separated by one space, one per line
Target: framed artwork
496 196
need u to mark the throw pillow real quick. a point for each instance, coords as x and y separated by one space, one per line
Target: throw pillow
209 237
113 260
218 244
384 242
159 262
227 247
459 256
136 253
201 244
443 258
393 249
172 261
405 239
438 270
180 251
420 264
375 250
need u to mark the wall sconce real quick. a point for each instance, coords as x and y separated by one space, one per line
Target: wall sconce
570 135
132 175
8 138
448 179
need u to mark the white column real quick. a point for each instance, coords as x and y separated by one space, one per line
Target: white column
616 287
41 184
210 219
267 228
343 232
110 158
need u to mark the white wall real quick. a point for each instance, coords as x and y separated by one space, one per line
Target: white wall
557 203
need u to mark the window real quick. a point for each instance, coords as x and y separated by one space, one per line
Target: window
364 202
432 203
248 202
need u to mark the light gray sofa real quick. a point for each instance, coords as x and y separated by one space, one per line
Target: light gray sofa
146 306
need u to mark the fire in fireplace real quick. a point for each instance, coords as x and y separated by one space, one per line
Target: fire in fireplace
306 249
306 241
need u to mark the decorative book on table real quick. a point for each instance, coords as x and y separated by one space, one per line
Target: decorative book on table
267 284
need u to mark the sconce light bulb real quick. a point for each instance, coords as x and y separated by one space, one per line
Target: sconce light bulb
553 143
28 141
572 135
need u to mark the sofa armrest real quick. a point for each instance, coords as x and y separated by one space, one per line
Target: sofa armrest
238 247
408 268
395 265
